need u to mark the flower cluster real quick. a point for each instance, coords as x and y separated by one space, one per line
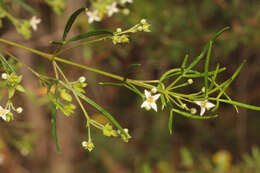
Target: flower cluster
12 82
121 36
101 8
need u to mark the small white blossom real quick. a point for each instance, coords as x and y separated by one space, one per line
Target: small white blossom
93 16
3 113
112 9
4 76
34 22
19 110
193 111
150 101
89 145
154 90
190 81
204 105
82 79
126 1
143 21
118 30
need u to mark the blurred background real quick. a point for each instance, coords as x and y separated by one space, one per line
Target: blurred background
229 143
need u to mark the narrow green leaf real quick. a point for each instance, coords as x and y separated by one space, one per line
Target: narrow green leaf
95 105
57 42
70 22
167 74
195 74
214 77
110 84
6 65
183 65
215 36
213 39
88 34
20 88
256 108
206 69
188 115
53 115
170 122
228 83
220 89
134 89
26 6
128 69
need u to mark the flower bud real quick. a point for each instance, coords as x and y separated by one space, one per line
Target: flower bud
82 79
193 111
4 76
190 81
118 30
19 110
154 90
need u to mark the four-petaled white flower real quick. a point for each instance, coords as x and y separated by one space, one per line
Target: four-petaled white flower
34 22
93 16
112 9
204 105
3 113
150 101
125 1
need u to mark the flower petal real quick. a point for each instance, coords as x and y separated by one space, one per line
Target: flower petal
202 111
155 97
209 105
147 94
145 104
154 106
198 102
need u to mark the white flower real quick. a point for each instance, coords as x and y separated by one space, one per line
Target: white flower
150 101
154 90
125 1
89 145
19 110
4 76
82 79
34 22
112 9
3 113
93 16
204 105
190 81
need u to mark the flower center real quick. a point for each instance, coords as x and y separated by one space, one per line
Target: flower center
150 99
203 104
3 112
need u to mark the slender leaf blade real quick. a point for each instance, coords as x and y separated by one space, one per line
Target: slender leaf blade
188 115
170 122
53 115
70 22
88 34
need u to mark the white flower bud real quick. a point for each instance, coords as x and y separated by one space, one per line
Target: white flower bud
19 110
154 90
118 30
193 111
82 79
140 28
4 76
190 81
143 21
126 11
203 89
